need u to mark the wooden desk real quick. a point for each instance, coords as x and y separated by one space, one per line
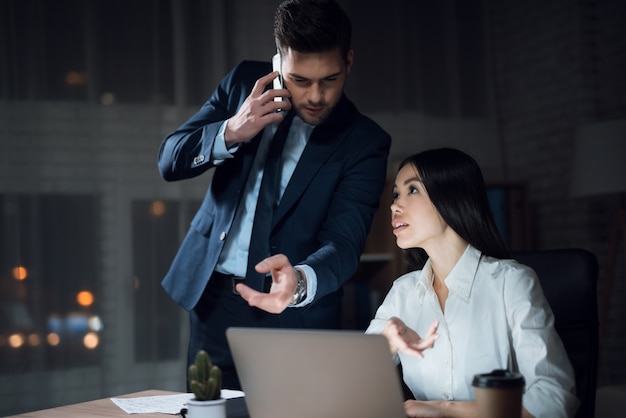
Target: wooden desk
235 408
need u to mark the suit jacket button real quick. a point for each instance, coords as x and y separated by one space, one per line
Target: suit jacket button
222 236
198 160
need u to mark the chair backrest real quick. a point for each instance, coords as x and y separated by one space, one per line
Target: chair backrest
569 281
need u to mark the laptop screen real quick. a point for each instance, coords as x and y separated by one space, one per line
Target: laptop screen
316 373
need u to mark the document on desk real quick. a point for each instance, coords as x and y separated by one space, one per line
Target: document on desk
164 404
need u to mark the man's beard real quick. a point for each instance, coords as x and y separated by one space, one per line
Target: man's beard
316 119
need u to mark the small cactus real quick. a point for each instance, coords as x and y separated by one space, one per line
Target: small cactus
205 379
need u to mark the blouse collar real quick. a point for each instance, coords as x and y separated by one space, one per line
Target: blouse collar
461 278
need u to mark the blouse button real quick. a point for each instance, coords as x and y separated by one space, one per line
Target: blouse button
222 236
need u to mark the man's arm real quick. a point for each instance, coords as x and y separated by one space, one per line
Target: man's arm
187 152
355 200
335 217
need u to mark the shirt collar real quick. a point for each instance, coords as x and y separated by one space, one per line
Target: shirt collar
463 274
461 278
301 126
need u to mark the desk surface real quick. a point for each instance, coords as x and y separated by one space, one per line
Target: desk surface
235 408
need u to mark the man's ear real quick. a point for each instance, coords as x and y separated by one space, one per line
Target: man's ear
349 60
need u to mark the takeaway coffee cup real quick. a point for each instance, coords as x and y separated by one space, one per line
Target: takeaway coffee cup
499 394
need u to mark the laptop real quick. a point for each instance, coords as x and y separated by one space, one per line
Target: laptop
287 373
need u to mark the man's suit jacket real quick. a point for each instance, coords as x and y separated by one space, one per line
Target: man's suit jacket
323 217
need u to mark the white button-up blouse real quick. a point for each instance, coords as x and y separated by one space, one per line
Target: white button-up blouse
496 317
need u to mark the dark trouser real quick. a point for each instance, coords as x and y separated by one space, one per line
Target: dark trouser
218 309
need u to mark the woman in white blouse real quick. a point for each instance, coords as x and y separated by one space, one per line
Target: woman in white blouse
468 308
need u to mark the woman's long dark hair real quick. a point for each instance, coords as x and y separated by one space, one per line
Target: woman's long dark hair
456 187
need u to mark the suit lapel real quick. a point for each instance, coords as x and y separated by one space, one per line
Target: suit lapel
324 140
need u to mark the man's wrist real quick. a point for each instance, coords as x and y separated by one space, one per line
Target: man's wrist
300 293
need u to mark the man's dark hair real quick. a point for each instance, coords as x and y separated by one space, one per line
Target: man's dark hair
312 26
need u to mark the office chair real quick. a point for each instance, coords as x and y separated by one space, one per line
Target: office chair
569 281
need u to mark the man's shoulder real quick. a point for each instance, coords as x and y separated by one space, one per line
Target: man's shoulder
250 68
255 64
359 124
364 125
370 124
241 78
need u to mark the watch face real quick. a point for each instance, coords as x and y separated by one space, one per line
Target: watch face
300 292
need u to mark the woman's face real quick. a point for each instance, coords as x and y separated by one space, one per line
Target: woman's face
414 218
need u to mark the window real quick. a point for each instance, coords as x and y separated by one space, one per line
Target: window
156 225
49 297
103 51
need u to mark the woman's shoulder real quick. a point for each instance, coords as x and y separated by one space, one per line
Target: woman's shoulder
506 267
514 276
409 279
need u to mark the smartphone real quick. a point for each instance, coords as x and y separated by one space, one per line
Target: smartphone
278 81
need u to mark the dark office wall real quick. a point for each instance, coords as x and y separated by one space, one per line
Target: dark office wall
559 65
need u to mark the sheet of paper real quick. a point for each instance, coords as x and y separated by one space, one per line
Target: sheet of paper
164 404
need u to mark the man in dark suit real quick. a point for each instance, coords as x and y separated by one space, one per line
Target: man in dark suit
236 265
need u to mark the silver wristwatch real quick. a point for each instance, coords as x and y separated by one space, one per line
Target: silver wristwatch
300 292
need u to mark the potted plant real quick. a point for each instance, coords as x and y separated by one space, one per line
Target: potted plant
205 381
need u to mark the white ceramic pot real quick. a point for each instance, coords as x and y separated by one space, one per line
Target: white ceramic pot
206 409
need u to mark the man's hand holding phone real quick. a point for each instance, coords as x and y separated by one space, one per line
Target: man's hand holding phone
260 108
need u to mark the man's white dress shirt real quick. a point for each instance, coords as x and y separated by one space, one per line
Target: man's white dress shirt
234 257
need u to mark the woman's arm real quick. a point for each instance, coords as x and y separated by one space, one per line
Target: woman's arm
446 409
540 354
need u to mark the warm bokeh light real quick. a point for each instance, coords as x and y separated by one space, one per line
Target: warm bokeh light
20 273
76 78
91 340
136 282
16 340
84 298
157 208
53 339
34 340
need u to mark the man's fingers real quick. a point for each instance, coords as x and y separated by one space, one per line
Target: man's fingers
246 292
266 301
261 83
274 262
268 102
253 297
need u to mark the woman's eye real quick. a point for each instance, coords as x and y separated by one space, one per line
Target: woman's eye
413 190
394 196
